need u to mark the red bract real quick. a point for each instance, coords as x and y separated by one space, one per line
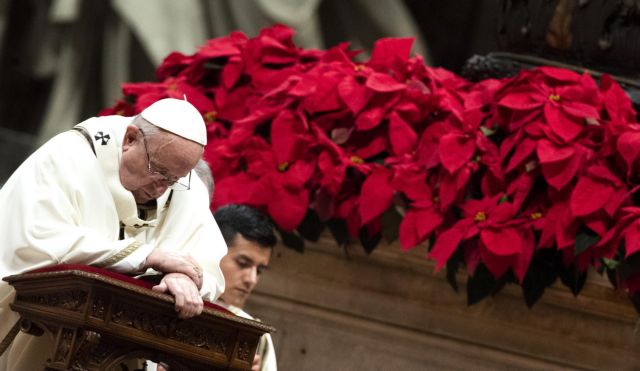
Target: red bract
627 229
628 146
195 68
391 54
597 190
376 195
561 163
617 104
423 214
458 146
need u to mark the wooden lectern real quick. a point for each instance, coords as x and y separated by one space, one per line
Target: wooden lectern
100 319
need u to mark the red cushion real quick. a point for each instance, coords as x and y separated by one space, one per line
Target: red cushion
114 275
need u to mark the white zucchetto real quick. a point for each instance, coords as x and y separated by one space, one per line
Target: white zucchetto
178 117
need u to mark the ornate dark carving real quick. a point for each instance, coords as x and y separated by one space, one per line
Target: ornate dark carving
169 327
91 352
244 351
99 306
71 300
65 343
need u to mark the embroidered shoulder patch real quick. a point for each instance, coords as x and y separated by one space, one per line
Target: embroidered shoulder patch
103 137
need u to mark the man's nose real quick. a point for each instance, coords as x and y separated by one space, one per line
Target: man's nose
251 276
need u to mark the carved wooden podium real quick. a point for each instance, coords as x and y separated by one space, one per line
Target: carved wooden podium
100 319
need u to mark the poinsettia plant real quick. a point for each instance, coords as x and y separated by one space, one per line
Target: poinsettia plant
524 179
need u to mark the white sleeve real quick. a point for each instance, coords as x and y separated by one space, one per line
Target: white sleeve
269 362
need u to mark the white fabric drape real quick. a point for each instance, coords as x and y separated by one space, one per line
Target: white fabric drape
163 26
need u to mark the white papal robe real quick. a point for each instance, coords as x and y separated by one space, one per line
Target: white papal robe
65 205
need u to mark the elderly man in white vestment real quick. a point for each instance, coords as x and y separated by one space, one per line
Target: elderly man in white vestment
115 192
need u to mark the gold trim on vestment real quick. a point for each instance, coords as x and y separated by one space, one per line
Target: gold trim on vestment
120 255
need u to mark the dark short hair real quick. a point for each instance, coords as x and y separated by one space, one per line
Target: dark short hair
249 222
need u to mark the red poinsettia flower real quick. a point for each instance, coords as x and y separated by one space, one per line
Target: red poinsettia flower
627 229
562 99
148 93
274 176
502 243
197 68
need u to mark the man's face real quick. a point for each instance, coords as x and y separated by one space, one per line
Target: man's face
241 268
147 166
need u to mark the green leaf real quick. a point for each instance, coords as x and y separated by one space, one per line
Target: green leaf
585 240
391 220
311 227
612 275
541 274
573 278
292 241
486 131
635 299
629 266
339 230
369 243
453 264
610 263
481 285
214 65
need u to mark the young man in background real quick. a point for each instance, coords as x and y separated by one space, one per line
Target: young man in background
250 239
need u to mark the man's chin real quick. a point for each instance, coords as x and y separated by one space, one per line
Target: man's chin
236 302
141 197
141 200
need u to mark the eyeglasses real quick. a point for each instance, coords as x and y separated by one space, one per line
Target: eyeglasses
177 184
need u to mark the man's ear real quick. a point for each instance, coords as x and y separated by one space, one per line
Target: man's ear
131 136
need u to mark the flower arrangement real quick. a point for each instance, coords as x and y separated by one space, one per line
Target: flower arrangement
524 179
